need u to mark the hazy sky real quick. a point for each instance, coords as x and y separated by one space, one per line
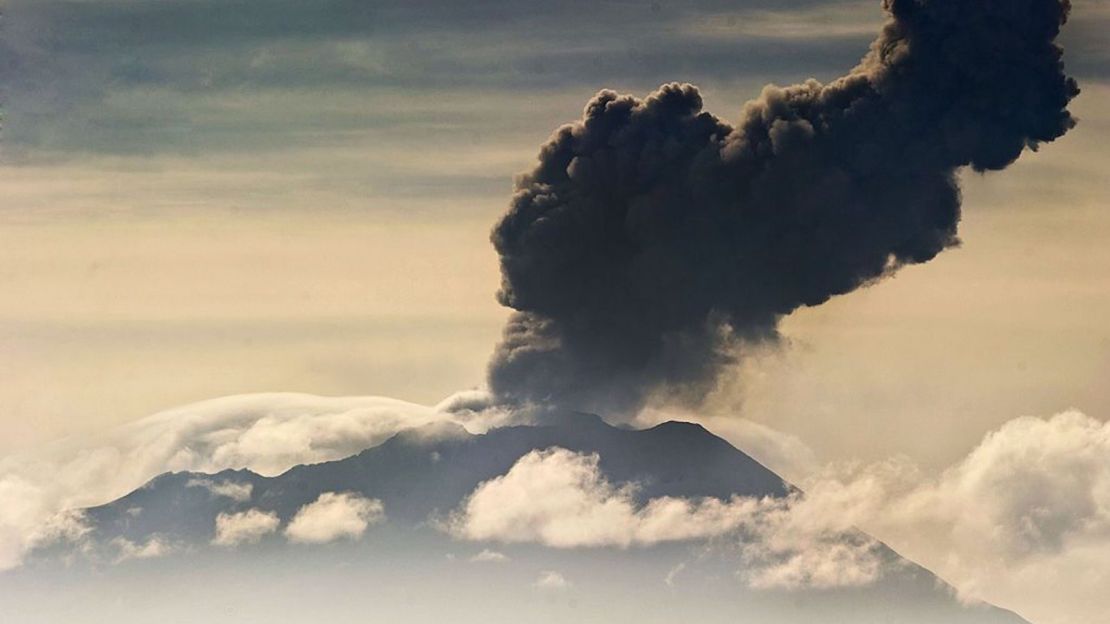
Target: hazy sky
202 197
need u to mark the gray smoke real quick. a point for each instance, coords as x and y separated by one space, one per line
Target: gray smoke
653 240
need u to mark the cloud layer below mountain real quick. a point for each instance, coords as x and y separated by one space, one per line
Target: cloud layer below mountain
561 499
1030 502
1022 521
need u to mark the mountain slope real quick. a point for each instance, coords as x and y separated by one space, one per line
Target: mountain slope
432 469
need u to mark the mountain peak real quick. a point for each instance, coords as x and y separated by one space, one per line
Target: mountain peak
681 427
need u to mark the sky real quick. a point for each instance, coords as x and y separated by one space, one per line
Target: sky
203 198
298 197
284 197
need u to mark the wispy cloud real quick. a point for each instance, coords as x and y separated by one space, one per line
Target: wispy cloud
841 19
550 580
489 556
239 492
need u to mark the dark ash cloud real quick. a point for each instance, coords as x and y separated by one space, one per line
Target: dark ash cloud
653 240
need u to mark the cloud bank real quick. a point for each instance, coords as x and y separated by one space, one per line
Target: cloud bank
1030 502
1023 520
561 499
653 240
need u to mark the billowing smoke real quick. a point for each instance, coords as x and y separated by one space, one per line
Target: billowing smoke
653 241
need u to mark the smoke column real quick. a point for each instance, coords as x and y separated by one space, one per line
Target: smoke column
652 241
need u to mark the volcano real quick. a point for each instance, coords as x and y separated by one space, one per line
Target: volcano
420 476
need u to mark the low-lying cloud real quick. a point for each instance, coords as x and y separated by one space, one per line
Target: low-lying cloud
154 546
244 527
1031 502
334 516
561 499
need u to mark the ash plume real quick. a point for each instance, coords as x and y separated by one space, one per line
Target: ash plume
653 241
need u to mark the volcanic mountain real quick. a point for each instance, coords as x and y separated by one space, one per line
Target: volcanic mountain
419 477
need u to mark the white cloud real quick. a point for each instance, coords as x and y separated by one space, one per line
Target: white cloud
1023 521
477 409
155 546
561 499
1030 502
785 560
65 527
267 433
240 492
489 556
28 521
245 527
551 580
334 516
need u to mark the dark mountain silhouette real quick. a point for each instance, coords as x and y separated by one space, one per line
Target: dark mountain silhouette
425 473
428 470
